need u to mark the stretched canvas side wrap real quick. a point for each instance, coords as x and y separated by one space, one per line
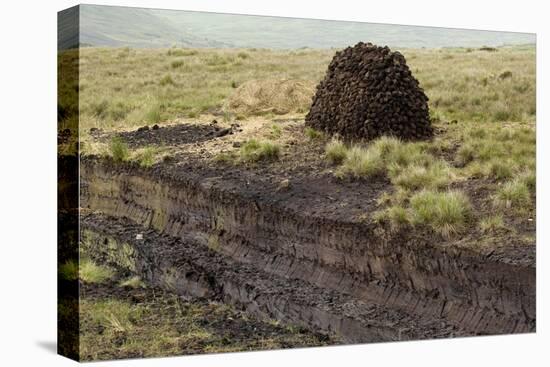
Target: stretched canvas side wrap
232 183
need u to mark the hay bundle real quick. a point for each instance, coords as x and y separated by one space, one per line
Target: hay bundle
280 96
369 91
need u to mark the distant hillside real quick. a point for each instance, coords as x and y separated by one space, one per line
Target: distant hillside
122 26
277 32
138 27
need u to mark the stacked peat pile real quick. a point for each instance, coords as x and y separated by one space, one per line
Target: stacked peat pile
369 91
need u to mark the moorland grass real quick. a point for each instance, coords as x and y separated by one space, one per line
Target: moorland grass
336 151
90 272
445 213
255 151
473 91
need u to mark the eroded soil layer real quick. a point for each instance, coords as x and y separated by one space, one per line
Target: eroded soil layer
186 268
310 253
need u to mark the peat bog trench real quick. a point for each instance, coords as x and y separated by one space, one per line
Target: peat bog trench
345 279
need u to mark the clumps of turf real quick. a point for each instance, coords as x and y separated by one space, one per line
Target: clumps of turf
313 134
133 282
361 162
336 151
446 213
408 165
119 149
251 151
255 151
513 195
90 272
491 224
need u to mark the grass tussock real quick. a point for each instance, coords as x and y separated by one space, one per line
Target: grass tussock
408 165
256 151
513 195
445 213
69 270
146 157
336 151
361 162
491 224
133 282
313 134
90 272
119 149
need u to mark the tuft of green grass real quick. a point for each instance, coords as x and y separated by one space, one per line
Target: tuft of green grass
491 224
255 151
276 132
100 109
397 216
133 282
446 213
513 195
225 157
90 272
177 64
360 162
153 115
336 151
500 169
69 270
119 149
146 157
313 134
166 80
118 111
415 177
181 52
243 55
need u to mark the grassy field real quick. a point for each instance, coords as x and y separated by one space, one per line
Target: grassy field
133 87
482 103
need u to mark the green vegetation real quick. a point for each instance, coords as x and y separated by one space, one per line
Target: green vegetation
119 149
313 134
414 177
513 195
133 282
146 157
480 88
276 131
408 165
491 224
69 270
255 151
167 79
361 162
177 64
445 212
336 151
90 272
